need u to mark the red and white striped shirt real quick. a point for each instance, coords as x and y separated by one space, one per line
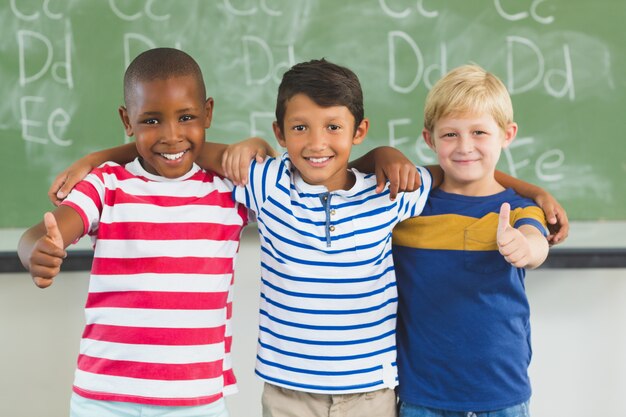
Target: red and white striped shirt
159 304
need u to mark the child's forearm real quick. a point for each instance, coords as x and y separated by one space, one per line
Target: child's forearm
389 164
121 154
233 161
365 163
210 157
523 188
437 173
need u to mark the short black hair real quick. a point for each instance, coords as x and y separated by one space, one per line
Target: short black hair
162 63
325 83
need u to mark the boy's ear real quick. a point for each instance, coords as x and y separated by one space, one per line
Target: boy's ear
361 132
429 139
208 106
279 135
509 134
125 120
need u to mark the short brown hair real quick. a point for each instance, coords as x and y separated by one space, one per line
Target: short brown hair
325 83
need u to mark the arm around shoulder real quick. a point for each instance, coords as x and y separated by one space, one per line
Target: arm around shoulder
68 178
558 223
389 164
233 161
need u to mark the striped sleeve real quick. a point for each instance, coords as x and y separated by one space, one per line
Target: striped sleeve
411 204
88 197
262 179
532 216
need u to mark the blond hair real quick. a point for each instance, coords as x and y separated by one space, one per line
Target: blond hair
468 90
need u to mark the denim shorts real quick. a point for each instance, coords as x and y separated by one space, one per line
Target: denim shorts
410 410
84 407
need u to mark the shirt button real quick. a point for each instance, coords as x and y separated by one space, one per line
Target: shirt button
332 212
331 228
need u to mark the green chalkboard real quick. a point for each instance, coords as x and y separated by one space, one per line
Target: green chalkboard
564 62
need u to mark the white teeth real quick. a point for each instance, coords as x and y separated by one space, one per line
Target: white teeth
319 160
172 156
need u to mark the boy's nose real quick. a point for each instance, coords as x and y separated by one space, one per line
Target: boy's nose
317 141
171 133
465 144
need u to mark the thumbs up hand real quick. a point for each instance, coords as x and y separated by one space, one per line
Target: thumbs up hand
47 254
512 243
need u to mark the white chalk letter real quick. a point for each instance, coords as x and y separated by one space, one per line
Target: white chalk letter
533 12
265 50
566 74
67 65
267 117
128 37
22 36
391 124
391 40
549 160
387 10
426 13
21 15
511 42
509 16
155 17
116 11
46 10
508 154
238 12
441 67
26 122
59 120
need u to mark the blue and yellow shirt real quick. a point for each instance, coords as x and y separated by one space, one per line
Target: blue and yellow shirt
463 321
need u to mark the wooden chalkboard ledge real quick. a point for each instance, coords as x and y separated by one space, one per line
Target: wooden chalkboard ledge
574 258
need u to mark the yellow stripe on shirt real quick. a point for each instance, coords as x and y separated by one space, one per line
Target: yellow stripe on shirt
456 232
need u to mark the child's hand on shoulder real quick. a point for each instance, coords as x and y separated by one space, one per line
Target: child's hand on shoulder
558 223
47 254
68 178
237 157
391 165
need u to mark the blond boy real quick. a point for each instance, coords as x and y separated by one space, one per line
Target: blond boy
463 320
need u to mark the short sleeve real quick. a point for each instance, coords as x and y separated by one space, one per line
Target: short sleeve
412 204
530 215
87 198
263 179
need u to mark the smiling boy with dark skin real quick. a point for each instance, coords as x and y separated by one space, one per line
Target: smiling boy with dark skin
166 233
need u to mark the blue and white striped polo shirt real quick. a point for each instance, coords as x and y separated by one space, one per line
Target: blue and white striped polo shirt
328 288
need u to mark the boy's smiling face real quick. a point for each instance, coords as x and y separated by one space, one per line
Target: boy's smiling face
168 118
319 140
468 148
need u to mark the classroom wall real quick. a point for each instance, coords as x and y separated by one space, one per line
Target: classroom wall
578 330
